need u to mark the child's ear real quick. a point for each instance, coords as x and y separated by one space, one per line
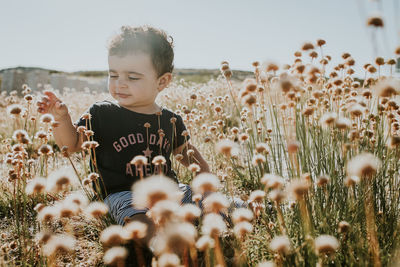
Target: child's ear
164 80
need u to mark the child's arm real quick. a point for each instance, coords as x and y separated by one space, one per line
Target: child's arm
196 158
65 134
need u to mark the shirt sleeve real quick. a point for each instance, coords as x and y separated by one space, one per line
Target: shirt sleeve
180 127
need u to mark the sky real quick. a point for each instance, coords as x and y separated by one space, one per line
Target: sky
72 35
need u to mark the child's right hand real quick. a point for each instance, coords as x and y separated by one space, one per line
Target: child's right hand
53 105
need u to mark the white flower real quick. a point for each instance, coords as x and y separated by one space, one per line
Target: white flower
280 244
205 182
326 244
147 192
363 165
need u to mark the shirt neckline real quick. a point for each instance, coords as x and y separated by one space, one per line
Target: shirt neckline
138 113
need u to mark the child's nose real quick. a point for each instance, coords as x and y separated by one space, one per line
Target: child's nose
121 83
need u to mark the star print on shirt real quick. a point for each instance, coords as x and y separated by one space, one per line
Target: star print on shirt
147 152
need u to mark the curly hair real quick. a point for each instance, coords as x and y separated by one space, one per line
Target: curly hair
147 39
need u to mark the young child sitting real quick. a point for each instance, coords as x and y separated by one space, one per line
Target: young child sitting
140 63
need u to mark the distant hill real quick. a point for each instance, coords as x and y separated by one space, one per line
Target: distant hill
14 78
194 75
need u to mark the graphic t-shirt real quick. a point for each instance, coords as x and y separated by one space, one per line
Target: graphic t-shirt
123 134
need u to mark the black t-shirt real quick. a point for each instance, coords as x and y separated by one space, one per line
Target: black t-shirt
122 135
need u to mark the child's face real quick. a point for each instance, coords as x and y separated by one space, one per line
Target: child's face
133 81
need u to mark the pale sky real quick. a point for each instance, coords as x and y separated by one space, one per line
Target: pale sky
72 35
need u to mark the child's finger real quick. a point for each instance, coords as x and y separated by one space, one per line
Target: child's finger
41 109
44 99
52 97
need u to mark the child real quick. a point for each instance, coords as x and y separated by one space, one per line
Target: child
140 66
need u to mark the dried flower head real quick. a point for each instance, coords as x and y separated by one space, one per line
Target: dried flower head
113 235
159 160
375 21
41 135
243 137
387 88
344 227
67 209
194 168
147 192
93 176
258 159
86 182
351 180
277 195
115 256
164 211
45 149
20 135
328 119
205 242
213 225
321 42
43 237
298 188
356 110
36 186
307 46
47 118
89 133
205 182
139 160
261 147
343 123
257 196
96 209
243 228
180 236
86 116
323 180
272 181
280 244
293 146
169 260
397 50
393 142
249 99
227 147
189 212
14 110
363 165
135 230
250 85
326 244
286 82
47 214
241 215
79 198
61 179
39 207
59 244
215 202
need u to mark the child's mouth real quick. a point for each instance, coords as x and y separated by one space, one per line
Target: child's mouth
122 95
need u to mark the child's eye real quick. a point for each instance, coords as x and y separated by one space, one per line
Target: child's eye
131 78
113 76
